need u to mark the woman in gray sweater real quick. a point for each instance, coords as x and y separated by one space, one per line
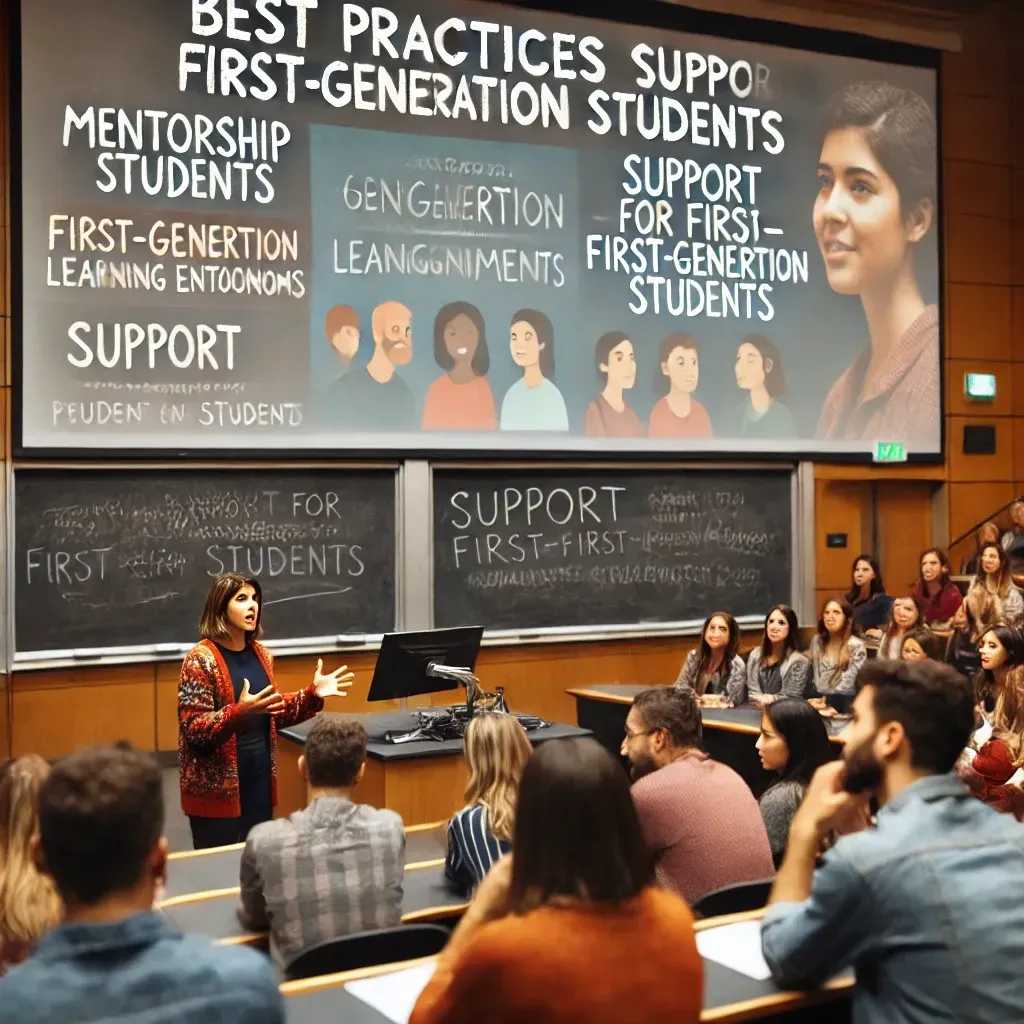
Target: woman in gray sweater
793 742
778 667
715 667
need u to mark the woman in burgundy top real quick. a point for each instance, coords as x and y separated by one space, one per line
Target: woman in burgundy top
875 205
609 415
938 595
993 766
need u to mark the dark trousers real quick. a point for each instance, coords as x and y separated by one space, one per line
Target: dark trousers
254 791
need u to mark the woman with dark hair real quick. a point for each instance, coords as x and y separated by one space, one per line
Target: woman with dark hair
609 415
938 595
920 644
229 713
578 891
759 372
778 667
678 413
793 742
993 764
906 615
985 534
533 402
715 667
875 204
994 580
461 399
836 654
872 606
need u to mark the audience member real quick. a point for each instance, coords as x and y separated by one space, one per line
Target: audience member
938 594
778 666
918 905
496 750
570 928
994 580
906 615
920 644
29 905
332 869
992 763
699 818
962 645
872 606
987 533
114 957
1010 537
794 743
715 667
836 654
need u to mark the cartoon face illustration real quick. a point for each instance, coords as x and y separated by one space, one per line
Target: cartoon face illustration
392 331
681 369
524 344
620 366
461 338
342 329
750 367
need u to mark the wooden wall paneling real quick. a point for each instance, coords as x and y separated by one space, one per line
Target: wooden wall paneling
976 128
840 506
977 188
979 321
5 718
958 404
1017 252
980 467
903 513
971 502
980 68
977 249
1018 448
56 712
1017 322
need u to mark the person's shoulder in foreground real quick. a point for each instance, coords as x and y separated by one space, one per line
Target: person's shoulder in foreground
918 904
139 970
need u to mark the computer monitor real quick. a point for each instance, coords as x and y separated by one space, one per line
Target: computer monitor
404 663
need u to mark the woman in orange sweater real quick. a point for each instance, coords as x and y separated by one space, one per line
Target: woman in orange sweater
570 928
229 712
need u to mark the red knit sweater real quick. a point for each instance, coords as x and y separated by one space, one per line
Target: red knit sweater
208 719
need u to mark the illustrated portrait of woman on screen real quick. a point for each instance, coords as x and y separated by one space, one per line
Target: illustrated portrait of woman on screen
759 373
533 402
678 413
875 205
609 414
461 399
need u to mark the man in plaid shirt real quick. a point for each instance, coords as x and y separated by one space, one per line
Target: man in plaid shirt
332 869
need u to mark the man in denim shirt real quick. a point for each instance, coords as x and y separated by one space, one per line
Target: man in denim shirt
114 958
926 905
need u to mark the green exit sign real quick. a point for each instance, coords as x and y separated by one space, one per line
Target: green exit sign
890 451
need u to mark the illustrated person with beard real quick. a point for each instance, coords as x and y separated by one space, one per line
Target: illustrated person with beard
875 205
921 905
376 398
699 818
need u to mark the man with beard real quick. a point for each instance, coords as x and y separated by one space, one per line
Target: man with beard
375 398
699 818
924 905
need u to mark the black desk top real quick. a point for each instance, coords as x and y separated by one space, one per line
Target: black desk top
746 718
425 895
376 724
722 988
202 872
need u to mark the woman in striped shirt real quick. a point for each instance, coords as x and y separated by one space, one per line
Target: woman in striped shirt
496 752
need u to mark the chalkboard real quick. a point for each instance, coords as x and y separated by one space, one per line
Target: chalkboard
118 558
544 548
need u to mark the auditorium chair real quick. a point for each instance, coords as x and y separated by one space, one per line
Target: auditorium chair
734 899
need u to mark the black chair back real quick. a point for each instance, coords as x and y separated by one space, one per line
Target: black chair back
734 899
368 949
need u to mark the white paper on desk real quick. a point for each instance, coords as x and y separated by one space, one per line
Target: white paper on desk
736 946
394 994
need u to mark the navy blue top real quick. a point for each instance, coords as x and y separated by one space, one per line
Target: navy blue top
874 613
253 734
472 848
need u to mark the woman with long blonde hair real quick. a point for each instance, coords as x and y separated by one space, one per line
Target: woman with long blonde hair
496 751
29 905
